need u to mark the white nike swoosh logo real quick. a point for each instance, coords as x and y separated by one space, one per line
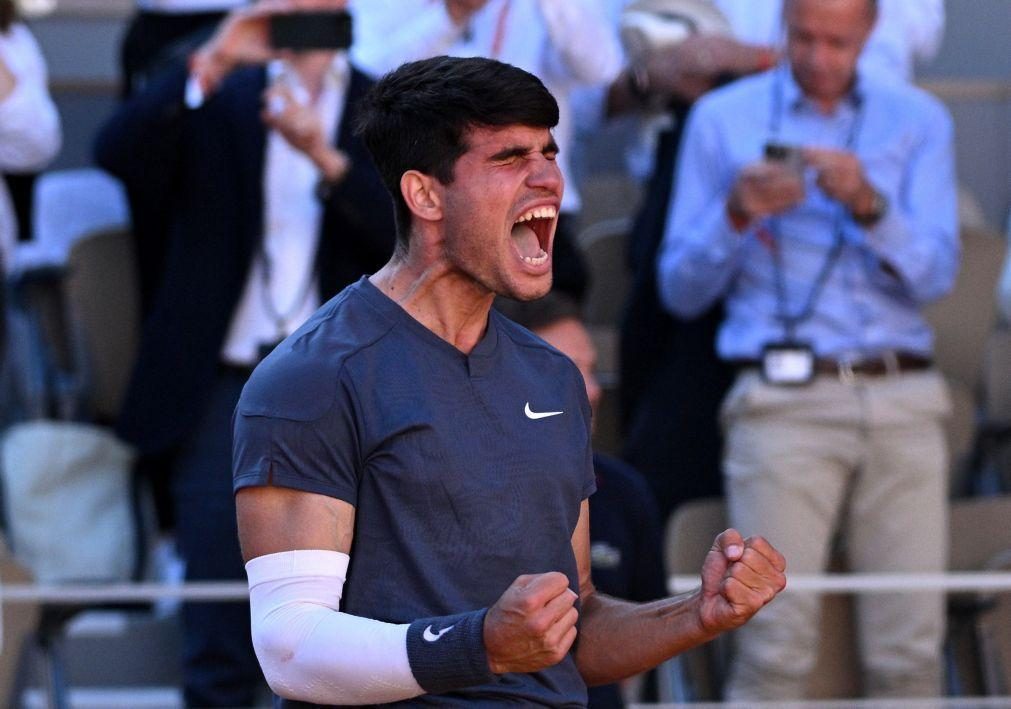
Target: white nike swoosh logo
539 414
432 637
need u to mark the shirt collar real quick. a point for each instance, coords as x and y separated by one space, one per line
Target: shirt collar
794 98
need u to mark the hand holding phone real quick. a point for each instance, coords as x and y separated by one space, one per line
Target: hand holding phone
790 155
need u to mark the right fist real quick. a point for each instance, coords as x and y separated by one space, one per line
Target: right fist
532 625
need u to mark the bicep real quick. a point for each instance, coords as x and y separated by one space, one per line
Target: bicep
275 519
581 550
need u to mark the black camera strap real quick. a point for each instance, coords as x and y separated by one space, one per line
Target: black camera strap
790 320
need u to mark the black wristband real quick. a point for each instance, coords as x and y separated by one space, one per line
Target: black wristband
448 652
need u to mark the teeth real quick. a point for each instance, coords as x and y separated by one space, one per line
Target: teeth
538 213
538 259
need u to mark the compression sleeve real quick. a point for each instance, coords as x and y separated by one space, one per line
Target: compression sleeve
310 651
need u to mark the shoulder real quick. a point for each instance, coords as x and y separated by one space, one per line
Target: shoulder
19 43
915 105
732 97
300 379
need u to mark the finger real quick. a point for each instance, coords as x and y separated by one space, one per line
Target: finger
542 588
559 606
764 547
758 575
819 157
740 596
554 633
730 543
566 634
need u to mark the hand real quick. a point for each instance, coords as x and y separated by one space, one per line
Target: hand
690 68
302 128
532 625
841 177
7 80
243 37
460 11
765 188
739 576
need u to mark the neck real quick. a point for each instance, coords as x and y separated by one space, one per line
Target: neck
443 300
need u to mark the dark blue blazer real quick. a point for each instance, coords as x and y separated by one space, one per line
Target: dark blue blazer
199 174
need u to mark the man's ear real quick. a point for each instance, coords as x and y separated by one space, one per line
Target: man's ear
423 195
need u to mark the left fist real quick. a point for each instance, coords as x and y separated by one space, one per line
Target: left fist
739 576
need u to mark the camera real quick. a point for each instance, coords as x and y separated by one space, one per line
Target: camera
302 31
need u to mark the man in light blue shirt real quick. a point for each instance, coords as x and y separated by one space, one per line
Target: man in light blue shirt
821 206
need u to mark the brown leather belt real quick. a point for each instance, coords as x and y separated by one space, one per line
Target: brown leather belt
889 363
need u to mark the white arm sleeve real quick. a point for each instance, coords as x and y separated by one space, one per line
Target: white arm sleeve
308 649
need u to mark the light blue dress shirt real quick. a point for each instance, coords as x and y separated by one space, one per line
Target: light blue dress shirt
884 274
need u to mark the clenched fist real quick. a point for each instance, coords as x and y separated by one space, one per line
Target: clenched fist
739 576
532 625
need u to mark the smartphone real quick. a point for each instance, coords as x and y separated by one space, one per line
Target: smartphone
300 31
790 155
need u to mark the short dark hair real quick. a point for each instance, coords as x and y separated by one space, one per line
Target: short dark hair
540 313
415 117
8 13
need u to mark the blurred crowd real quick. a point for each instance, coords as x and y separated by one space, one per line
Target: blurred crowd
798 213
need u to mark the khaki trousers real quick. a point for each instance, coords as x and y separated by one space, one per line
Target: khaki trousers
866 460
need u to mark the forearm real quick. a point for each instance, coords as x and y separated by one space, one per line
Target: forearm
697 261
618 639
143 128
310 651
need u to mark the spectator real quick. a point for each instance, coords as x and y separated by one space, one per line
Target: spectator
825 250
565 43
160 29
625 538
665 359
274 207
29 124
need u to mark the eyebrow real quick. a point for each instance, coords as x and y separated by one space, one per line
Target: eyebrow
520 150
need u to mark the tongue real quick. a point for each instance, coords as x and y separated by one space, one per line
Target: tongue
526 241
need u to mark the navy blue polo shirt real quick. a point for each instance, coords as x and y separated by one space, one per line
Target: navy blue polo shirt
465 471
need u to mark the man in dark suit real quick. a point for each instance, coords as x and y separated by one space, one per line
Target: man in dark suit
271 206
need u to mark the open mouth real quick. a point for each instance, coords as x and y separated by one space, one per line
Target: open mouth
532 234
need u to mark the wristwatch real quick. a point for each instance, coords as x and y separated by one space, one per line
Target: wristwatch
870 217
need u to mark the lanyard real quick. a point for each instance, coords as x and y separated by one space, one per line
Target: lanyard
790 320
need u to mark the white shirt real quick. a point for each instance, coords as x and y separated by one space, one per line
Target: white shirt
565 43
29 124
291 221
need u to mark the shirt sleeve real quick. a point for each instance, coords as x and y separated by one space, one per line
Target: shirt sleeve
700 249
277 441
29 124
584 41
917 239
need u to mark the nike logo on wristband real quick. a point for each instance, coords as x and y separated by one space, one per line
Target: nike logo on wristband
432 637
539 414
